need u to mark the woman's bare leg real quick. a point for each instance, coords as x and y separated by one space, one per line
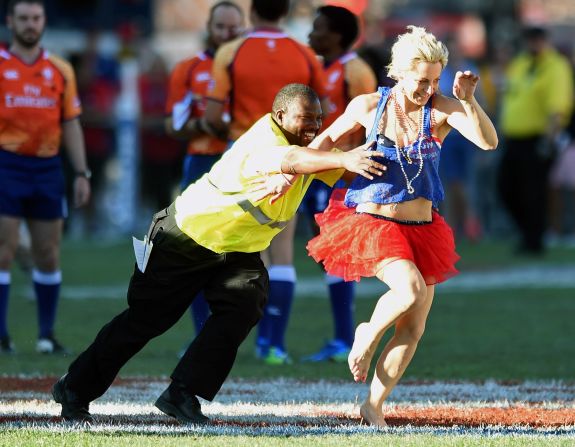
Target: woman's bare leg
407 292
394 359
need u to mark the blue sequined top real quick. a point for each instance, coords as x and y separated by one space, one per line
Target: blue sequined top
392 186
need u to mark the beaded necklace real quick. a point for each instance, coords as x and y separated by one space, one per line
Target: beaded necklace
402 119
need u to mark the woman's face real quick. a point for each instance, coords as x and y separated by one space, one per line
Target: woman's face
422 82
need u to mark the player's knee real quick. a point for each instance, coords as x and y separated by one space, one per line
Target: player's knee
46 258
413 331
7 254
414 295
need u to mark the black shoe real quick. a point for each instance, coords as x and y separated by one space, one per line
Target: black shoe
49 345
6 346
73 410
175 401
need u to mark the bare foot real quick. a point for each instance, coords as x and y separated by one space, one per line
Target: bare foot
361 353
371 416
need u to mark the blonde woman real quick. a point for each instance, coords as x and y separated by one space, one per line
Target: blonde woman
389 227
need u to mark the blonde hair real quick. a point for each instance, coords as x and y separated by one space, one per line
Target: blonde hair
412 47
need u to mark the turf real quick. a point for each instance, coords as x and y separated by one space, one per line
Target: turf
38 438
512 334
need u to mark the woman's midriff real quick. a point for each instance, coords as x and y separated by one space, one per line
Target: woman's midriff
418 209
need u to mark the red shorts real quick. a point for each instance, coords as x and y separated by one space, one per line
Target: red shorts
353 245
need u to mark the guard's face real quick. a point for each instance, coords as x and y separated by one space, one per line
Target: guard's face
226 24
27 24
301 121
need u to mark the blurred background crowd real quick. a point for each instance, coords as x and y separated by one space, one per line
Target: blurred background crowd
123 52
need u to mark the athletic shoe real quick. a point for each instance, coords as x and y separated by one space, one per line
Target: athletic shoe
73 409
6 346
175 401
262 347
333 351
277 356
49 345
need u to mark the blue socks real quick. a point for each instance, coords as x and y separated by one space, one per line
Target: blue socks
341 295
47 288
200 311
273 325
4 291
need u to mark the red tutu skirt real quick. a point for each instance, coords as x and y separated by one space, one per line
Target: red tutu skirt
353 245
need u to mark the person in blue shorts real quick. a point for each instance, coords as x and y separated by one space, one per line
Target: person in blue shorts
39 109
335 29
189 82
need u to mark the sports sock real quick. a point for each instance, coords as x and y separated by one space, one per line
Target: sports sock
4 291
277 312
341 296
200 311
47 288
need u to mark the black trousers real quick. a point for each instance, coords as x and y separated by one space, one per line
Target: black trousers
235 286
523 180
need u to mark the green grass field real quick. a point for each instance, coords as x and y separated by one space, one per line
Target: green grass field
505 334
511 334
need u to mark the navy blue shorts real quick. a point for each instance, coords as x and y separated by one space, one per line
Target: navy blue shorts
32 187
195 166
457 154
316 199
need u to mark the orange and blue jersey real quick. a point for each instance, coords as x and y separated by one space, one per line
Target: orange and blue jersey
188 86
346 77
36 98
251 69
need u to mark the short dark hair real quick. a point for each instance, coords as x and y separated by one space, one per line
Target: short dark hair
271 9
341 21
533 32
292 92
12 4
227 4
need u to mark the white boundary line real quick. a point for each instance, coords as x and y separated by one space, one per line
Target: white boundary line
287 407
554 277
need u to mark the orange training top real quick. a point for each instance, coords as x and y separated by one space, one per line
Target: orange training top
193 75
252 69
347 77
35 99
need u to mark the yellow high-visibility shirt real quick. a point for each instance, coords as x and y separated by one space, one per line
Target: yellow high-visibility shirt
216 211
536 89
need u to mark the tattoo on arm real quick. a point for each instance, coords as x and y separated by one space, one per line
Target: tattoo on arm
291 168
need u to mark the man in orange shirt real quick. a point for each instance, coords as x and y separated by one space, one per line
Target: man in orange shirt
186 105
248 72
335 29
39 108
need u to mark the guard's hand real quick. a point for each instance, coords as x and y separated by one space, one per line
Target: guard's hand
270 185
360 160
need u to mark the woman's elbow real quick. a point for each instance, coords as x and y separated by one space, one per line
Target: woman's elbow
490 145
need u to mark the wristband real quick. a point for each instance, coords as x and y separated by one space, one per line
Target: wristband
86 173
